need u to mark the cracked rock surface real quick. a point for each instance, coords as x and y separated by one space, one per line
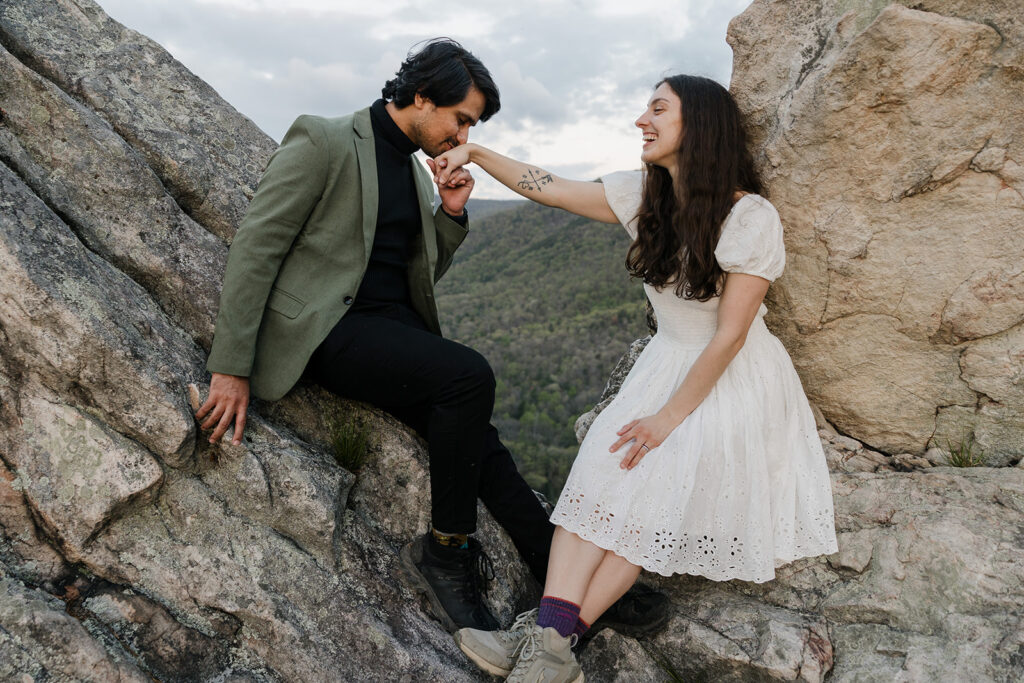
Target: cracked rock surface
891 137
132 550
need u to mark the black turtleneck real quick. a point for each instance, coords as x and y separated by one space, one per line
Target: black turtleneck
398 215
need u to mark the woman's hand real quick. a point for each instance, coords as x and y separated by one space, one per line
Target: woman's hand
647 434
451 161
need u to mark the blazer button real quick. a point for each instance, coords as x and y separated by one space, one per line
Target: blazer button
348 300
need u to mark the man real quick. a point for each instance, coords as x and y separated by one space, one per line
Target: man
332 274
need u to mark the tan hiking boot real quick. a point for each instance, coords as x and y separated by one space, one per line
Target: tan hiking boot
495 651
546 657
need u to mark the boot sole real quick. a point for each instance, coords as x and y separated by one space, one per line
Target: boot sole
630 630
634 631
420 585
480 661
492 668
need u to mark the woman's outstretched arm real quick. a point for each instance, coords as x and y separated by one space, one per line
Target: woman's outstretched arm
580 197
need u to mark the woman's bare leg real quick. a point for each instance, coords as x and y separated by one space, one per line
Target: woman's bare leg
571 566
610 581
583 573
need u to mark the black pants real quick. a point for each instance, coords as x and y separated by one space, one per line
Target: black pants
445 391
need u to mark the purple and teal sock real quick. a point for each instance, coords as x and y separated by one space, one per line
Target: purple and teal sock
558 614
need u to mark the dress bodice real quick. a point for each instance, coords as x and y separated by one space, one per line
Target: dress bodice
750 242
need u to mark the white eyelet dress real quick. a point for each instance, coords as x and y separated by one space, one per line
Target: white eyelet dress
741 486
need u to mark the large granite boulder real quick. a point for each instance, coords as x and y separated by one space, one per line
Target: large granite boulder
208 155
891 136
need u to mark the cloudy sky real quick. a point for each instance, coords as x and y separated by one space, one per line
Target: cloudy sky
573 74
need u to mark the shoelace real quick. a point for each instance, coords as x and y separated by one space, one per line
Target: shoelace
530 645
481 570
519 628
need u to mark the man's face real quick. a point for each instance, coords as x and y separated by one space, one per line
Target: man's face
438 129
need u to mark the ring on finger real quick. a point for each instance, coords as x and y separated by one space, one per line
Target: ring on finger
643 445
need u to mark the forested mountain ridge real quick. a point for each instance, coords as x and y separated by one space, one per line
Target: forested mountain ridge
482 208
545 297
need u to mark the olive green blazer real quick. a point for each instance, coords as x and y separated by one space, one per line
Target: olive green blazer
299 255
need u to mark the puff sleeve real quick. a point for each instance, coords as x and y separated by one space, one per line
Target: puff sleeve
751 240
623 191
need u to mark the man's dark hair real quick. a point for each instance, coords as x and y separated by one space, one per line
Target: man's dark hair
442 71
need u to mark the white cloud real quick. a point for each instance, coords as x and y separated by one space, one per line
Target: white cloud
585 150
664 18
313 7
573 74
524 98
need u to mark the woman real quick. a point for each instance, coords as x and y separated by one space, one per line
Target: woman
707 461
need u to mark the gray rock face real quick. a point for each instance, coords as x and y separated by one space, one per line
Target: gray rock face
92 178
76 474
41 641
208 155
891 137
131 549
22 543
78 326
166 647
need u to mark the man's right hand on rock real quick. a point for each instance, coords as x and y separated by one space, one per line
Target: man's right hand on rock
228 400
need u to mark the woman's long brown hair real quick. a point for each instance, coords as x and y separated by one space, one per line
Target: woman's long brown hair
679 223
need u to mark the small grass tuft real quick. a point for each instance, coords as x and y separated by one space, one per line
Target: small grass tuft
965 453
351 444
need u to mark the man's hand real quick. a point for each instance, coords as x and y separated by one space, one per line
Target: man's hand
455 190
228 400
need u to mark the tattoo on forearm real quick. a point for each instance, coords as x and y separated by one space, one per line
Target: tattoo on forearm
534 180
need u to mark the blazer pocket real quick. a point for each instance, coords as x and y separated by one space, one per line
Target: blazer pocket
284 303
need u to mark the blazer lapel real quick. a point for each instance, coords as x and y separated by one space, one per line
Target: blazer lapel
425 194
367 158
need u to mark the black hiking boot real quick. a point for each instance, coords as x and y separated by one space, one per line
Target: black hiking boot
641 612
454 581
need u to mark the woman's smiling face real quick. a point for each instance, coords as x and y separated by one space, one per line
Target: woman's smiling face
662 127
